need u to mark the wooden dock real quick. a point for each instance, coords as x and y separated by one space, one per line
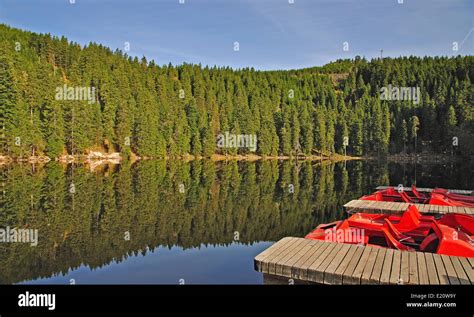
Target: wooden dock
429 190
373 206
322 262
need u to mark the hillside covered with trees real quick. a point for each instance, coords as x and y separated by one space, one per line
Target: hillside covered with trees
156 111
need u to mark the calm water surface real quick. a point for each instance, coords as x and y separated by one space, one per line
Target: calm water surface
172 222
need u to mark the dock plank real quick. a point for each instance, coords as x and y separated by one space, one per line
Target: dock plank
270 257
396 267
413 267
270 249
471 260
381 206
348 272
369 266
462 276
423 278
387 267
431 209
272 267
405 269
431 269
450 271
269 261
350 204
337 277
300 268
468 269
324 262
286 257
335 263
315 264
331 259
377 270
359 269
391 207
429 190
260 259
288 266
399 207
403 206
319 257
427 209
440 269
364 268
446 209
316 273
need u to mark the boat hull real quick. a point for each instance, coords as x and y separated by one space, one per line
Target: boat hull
452 234
438 196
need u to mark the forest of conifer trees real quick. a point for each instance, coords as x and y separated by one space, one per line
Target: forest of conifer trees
171 111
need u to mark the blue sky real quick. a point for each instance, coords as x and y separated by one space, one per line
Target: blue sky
272 34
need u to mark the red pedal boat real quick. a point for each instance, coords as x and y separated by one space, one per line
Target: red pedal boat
438 196
451 234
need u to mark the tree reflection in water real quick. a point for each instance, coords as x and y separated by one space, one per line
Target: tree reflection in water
117 211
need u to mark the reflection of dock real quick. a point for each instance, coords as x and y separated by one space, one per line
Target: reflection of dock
429 190
388 207
301 260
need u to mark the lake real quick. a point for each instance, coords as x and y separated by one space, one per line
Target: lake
176 222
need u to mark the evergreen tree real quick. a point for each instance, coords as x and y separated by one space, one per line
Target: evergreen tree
171 111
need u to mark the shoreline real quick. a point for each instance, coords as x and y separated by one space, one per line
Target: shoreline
116 158
98 158
425 158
